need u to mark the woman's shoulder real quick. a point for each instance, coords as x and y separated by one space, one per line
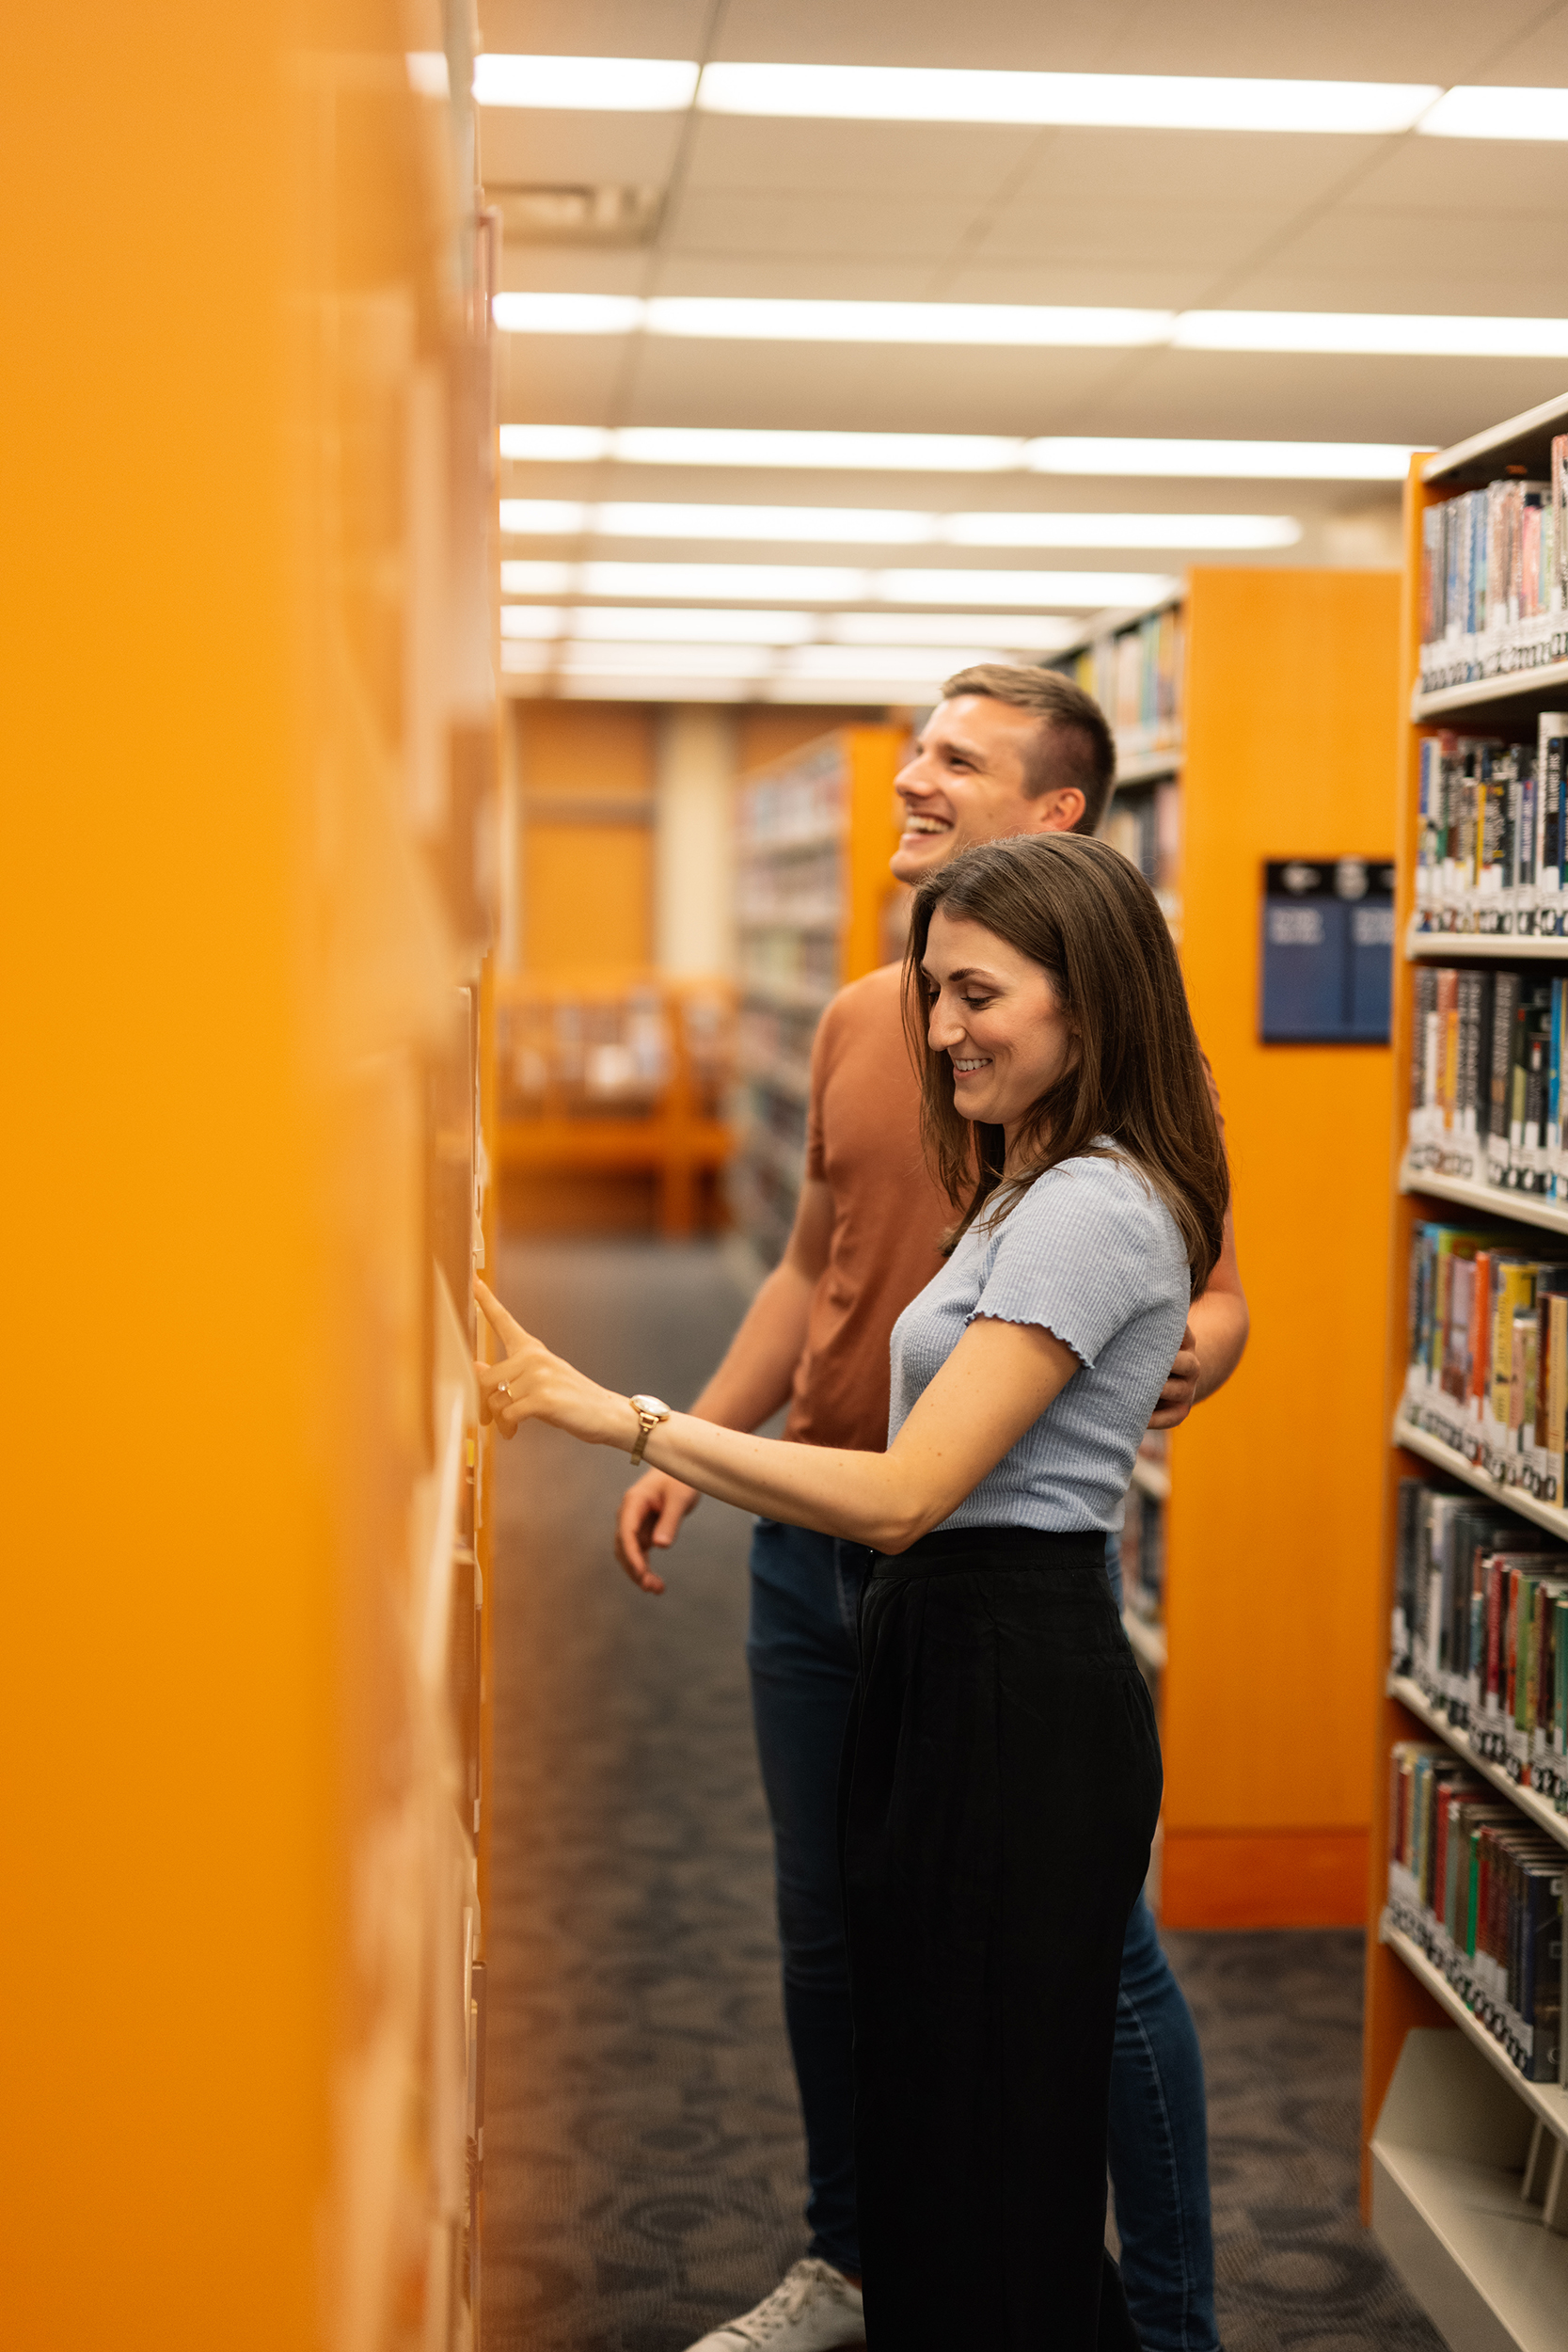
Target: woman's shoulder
1105 1188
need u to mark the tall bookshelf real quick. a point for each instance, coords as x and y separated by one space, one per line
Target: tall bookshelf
1255 722
815 833
246 1660
1465 2173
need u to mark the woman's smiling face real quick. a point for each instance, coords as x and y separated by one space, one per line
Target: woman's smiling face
994 1013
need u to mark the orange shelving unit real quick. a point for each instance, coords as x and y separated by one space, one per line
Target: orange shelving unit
1266 1501
244 1692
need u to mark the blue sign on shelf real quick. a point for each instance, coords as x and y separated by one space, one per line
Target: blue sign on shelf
1328 952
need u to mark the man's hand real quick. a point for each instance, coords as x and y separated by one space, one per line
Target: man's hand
1180 1393
650 1515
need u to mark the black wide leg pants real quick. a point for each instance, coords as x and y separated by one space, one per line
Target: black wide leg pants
1000 1789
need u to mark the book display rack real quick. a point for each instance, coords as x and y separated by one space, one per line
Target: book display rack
1211 788
814 908
1465 2179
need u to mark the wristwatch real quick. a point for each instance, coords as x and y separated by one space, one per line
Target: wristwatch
650 1411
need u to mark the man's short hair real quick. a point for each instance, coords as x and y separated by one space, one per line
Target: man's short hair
1076 746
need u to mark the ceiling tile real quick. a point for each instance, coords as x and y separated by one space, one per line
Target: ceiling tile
1185 240
1072 37
1469 175
558 379
1181 168
797 222
596 28
938 158
516 144
1276 396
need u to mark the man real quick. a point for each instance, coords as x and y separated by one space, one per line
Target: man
1008 751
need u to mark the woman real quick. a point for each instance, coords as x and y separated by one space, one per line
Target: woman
1001 1779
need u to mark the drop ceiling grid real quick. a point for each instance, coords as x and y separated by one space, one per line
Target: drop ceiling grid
1027 214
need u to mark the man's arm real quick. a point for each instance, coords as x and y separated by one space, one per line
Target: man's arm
1211 1345
749 1385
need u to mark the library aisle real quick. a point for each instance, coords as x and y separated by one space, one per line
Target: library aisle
643 2161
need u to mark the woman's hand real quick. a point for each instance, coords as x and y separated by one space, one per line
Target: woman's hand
530 1384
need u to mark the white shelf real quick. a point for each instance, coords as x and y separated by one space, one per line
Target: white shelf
1541 684
790 844
1512 1498
1435 947
1149 1641
1533 1806
1448 2162
1521 1208
1531 425
1146 767
786 996
1549 2101
1151 1478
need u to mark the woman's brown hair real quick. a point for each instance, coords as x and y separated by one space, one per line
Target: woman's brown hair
1084 912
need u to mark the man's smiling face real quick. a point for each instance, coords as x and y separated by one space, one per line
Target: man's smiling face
968 782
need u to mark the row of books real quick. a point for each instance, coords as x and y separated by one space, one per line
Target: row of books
1479 1891
1144 824
1486 1067
1135 678
1492 834
807 803
804 889
787 964
1488 1368
1495 578
1480 1625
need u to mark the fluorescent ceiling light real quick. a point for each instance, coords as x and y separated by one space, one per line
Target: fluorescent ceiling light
651 625
1146 101
568 314
1397 333
761 320
905 453
849 526
762 583
531 620
1118 531
790 586
889 526
605 85
688 661
1471 112
556 444
1079 591
538 579
427 72
1026 634
963 453
995 325
923 665
543 517
1220 461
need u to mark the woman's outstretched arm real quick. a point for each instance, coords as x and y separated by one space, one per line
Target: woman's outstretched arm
994 1386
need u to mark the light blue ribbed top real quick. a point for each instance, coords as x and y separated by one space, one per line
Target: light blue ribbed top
1092 1254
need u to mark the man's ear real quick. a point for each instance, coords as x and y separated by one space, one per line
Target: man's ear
1057 811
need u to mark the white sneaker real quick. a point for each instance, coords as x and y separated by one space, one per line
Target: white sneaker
813 2309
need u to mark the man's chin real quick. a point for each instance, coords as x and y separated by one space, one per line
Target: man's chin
917 856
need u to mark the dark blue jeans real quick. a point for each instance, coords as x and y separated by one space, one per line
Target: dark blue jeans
802 1654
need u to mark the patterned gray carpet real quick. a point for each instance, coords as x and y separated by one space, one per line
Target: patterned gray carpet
643 2173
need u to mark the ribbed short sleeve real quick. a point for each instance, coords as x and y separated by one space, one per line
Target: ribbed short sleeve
1072 1255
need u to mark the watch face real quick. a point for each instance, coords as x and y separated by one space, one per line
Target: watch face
650 1405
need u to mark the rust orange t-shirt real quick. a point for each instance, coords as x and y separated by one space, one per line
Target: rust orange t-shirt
863 1141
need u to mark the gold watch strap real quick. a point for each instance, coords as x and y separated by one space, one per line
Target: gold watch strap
647 1423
